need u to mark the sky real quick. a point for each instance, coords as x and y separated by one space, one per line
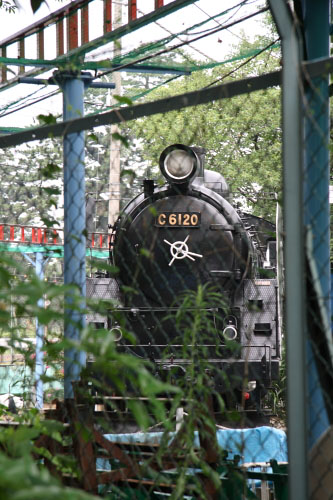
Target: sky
215 47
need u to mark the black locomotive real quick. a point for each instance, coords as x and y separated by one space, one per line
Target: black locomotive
174 238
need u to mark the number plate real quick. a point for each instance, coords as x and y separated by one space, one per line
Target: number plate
178 219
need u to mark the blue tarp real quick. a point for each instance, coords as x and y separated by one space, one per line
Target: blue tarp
255 445
259 444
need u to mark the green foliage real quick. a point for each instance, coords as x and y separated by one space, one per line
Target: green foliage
8 5
123 99
22 479
278 396
49 119
118 137
242 139
116 373
241 135
35 4
22 476
194 320
121 370
25 173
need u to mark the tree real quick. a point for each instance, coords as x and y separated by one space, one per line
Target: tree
242 135
30 183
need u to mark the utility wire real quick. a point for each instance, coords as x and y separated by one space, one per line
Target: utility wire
233 14
182 44
178 36
218 80
185 32
51 94
19 101
198 37
217 22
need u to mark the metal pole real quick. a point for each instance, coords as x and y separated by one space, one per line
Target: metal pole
316 17
294 250
115 144
39 268
39 264
74 229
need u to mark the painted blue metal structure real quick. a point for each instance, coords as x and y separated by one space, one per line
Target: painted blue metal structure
73 88
305 206
40 330
306 186
316 20
39 264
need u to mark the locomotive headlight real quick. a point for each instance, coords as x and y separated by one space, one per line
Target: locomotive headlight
117 333
230 332
178 163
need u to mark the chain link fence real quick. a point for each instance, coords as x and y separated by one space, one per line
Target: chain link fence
146 318
318 260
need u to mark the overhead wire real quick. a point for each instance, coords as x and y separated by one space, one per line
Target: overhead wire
198 36
138 96
19 101
217 22
237 7
186 32
133 98
26 105
147 91
182 44
178 37
218 80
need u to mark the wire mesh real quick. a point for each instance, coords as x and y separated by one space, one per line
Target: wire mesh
160 302
318 282
181 328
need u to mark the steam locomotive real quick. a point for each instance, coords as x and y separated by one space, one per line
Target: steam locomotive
169 241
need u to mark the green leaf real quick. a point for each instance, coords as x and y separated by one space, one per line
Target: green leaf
93 137
140 413
51 171
35 4
51 190
145 253
49 222
153 211
123 99
127 171
118 137
49 119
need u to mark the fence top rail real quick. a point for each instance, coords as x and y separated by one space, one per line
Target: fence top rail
43 23
124 114
76 5
68 20
203 96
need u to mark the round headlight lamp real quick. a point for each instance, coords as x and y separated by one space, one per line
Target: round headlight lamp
179 163
230 332
117 333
